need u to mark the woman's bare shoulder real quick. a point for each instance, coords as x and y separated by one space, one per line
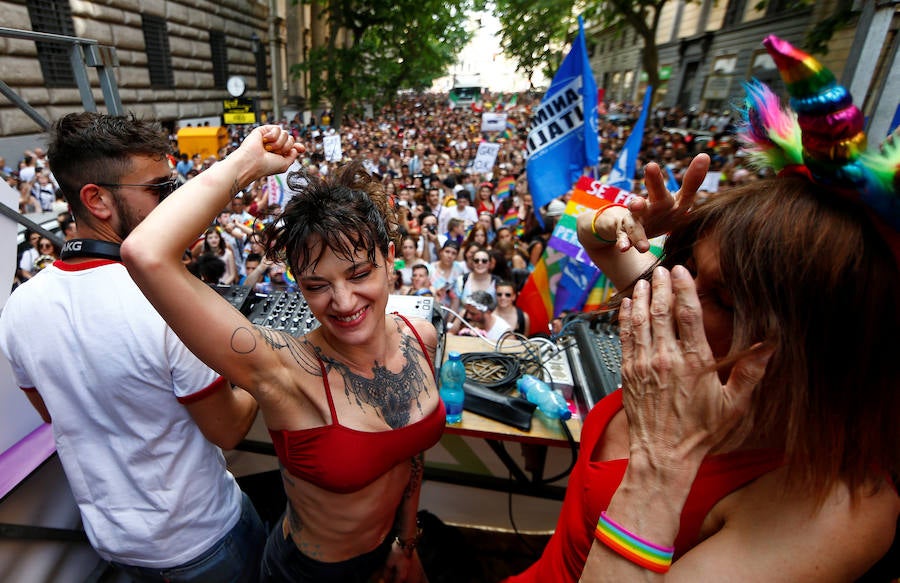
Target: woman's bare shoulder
783 533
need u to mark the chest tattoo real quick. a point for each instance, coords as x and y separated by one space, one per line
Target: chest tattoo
389 393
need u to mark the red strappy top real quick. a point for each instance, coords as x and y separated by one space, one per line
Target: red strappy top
343 460
592 485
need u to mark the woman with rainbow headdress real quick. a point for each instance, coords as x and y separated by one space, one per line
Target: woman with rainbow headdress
755 437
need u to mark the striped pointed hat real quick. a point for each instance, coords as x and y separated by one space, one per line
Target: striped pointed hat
821 137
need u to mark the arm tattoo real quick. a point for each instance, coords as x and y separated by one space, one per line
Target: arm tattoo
390 394
415 477
243 341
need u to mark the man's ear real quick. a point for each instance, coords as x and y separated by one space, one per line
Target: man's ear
97 201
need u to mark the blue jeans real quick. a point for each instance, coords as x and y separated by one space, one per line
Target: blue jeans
234 558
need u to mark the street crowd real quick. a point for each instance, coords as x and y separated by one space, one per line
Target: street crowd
452 218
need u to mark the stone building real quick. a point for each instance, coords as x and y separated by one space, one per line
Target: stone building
174 59
708 47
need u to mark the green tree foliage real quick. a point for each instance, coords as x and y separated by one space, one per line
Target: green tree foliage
374 48
532 28
534 32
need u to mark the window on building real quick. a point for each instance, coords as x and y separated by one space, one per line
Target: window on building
262 73
219 54
734 13
159 57
53 16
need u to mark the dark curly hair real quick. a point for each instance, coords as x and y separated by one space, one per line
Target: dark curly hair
347 211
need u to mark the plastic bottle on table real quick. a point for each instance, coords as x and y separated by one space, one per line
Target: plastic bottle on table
549 402
453 375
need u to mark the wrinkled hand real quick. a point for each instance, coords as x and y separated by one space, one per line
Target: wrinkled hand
402 569
677 408
655 215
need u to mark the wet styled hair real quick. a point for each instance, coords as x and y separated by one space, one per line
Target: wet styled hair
346 211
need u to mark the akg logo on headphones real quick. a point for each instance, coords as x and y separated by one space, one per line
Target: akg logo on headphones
71 246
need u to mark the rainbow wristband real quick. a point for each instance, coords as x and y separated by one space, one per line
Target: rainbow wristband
594 220
632 547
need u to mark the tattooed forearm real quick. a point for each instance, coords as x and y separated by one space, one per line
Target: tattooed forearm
415 476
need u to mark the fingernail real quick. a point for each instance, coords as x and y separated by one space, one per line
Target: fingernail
660 271
268 148
641 285
679 272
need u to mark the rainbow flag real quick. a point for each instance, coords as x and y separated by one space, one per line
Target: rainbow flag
254 224
538 295
504 188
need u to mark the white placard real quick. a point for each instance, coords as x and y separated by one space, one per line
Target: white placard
332 145
493 122
711 182
485 158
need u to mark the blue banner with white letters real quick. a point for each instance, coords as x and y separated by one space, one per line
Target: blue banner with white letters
562 137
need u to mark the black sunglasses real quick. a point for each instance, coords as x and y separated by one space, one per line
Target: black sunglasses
160 189
480 260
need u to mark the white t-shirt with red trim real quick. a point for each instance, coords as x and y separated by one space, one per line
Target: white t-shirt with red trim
152 491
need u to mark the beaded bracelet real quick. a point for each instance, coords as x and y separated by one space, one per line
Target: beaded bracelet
594 220
632 547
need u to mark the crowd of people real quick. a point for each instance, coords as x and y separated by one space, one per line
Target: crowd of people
749 441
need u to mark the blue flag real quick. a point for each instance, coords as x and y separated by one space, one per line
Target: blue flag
562 137
671 182
622 172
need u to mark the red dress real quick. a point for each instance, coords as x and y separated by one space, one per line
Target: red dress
592 485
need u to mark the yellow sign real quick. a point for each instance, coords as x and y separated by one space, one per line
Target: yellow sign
238 111
239 118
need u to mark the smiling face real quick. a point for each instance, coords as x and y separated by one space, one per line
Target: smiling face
347 295
506 295
481 262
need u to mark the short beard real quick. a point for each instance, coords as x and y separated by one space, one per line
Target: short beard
127 220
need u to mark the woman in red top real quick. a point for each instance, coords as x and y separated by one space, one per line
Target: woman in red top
352 405
756 430
485 199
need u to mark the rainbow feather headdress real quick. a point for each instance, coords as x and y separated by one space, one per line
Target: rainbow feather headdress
821 136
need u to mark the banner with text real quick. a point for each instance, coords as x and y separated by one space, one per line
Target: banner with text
586 195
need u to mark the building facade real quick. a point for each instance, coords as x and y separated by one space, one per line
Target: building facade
707 48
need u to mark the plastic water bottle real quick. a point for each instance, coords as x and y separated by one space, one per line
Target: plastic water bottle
453 375
549 402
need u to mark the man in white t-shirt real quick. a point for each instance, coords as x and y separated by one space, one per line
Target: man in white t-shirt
138 420
479 313
463 211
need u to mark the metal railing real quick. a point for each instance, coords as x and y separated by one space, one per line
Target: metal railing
83 53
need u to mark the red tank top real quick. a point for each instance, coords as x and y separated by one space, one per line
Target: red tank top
592 485
343 460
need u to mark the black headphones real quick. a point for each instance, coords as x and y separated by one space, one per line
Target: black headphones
90 248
